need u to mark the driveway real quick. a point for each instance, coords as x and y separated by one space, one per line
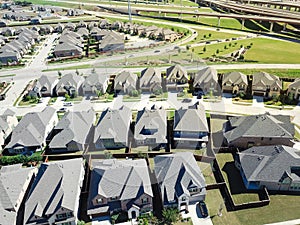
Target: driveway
195 215
258 101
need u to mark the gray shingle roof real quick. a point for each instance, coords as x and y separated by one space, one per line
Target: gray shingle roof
265 79
235 78
120 178
150 77
191 119
270 163
114 124
47 82
124 80
57 185
95 79
74 126
206 77
295 84
154 120
177 72
175 172
265 125
30 131
70 80
12 181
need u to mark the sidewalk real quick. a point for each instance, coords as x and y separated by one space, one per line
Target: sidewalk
290 222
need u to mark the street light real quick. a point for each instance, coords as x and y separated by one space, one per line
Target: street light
129 11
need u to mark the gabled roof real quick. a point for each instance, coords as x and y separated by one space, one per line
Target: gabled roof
177 72
265 125
46 81
12 181
270 163
206 76
191 119
70 79
235 78
149 77
126 179
125 79
56 186
265 79
295 84
74 126
112 38
113 123
30 131
95 78
175 173
154 120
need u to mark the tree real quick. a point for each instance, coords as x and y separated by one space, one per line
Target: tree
225 47
80 222
108 155
59 74
204 49
67 97
170 215
217 51
209 35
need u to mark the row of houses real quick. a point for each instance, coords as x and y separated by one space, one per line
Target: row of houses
76 130
12 52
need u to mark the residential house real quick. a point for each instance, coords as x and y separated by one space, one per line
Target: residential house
180 179
75 12
257 130
83 32
95 84
266 85
54 195
44 86
70 26
150 80
45 29
177 78
104 24
112 130
120 185
112 41
294 89
69 84
168 35
275 167
125 82
190 127
31 132
8 121
92 24
151 128
70 44
59 28
206 81
117 25
71 132
14 182
97 34
81 24
234 83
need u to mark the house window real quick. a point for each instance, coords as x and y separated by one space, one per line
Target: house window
183 198
270 139
99 200
144 200
193 190
114 198
262 138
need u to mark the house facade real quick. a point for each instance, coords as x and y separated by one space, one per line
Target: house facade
69 84
112 130
31 132
275 167
266 85
234 83
176 78
120 185
150 80
95 83
54 195
8 121
206 81
180 180
294 89
190 127
44 86
125 82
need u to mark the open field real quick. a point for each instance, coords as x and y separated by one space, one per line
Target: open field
288 73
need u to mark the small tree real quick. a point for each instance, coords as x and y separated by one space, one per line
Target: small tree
204 36
80 222
59 74
67 97
225 47
217 51
108 155
170 215
209 35
204 49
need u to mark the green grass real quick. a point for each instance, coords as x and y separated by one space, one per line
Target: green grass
224 22
281 208
288 73
263 50
28 103
234 180
214 35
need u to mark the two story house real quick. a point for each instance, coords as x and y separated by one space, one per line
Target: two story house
69 84
44 86
190 127
180 180
120 185
8 121
234 83
294 89
206 81
31 132
150 80
151 128
54 195
266 85
112 130
176 78
95 83
125 82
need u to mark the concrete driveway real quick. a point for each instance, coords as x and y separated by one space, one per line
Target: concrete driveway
258 101
195 215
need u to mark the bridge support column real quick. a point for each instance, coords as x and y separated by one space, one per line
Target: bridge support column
284 27
271 26
198 18
219 21
165 14
243 24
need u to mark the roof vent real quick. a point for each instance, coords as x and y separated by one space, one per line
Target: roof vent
259 158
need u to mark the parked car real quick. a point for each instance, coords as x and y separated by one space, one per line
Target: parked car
62 110
186 100
203 209
67 104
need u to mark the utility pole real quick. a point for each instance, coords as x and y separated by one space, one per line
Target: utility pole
129 11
